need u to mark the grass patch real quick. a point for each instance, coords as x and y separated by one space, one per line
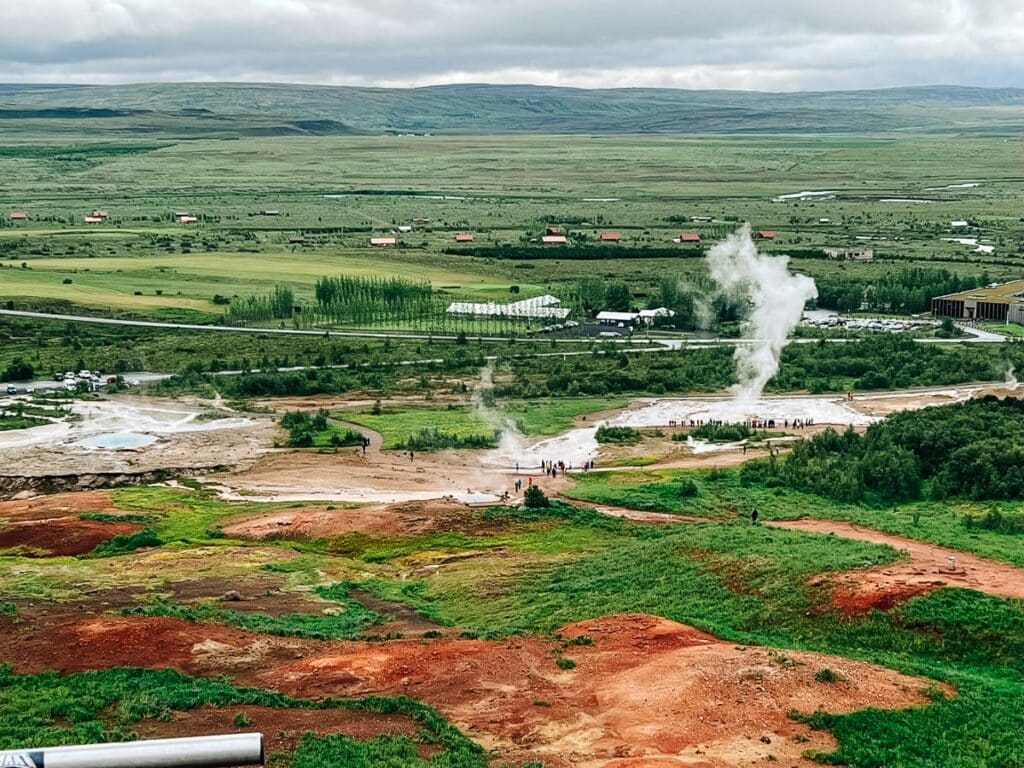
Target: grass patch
404 427
129 542
345 624
618 435
724 497
19 422
106 517
552 417
51 710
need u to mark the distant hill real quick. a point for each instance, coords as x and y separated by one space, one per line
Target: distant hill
479 108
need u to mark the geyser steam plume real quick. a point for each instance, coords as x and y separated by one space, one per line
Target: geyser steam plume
511 440
776 297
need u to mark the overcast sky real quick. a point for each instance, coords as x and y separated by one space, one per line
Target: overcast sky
751 44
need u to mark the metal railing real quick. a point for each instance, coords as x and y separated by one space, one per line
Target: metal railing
198 752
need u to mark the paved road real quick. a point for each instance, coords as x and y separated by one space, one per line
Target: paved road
149 377
291 331
976 335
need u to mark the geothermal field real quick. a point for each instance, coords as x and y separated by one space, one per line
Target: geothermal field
402 446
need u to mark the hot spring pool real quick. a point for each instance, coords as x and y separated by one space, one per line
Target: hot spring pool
117 441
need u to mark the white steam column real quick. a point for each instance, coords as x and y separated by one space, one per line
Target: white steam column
777 298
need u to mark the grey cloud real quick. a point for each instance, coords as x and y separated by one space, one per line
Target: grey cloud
787 44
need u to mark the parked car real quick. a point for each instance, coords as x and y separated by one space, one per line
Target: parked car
134 382
11 389
29 390
58 377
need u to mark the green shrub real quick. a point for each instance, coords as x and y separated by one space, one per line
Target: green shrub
105 517
120 545
433 439
688 489
994 520
534 498
241 720
618 435
827 675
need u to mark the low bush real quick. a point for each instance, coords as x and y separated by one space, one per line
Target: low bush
344 625
688 489
534 498
618 435
994 520
432 439
121 545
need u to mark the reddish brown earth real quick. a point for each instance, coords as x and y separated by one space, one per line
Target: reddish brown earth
855 599
282 729
60 535
105 642
57 505
647 692
928 567
50 525
406 519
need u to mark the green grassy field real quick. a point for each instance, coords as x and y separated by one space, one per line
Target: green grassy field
543 417
723 498
398 424
507 190
552 417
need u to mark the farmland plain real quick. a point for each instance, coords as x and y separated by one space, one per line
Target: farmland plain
335 192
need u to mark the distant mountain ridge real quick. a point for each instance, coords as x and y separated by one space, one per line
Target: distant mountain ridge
483 108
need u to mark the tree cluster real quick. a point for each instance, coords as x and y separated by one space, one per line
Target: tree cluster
972 450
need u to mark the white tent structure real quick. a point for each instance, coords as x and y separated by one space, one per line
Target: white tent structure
538 307
648 316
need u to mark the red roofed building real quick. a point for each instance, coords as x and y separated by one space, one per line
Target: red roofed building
554 230
19 216
610 237
186 219
554 240
463 237
100 214
765 234
689 237
382 242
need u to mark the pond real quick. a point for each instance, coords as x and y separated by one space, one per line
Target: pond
117 441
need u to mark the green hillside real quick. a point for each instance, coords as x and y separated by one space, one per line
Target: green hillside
280 109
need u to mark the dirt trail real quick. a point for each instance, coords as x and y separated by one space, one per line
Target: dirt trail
930 567
636 515
376 438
